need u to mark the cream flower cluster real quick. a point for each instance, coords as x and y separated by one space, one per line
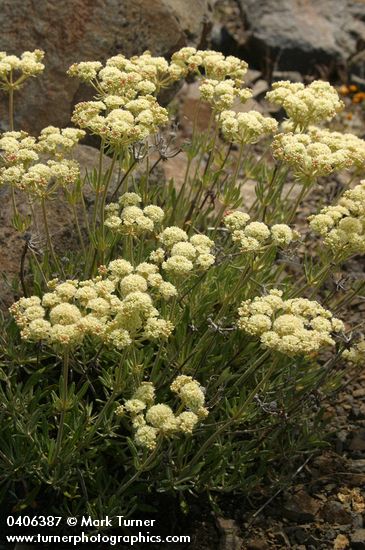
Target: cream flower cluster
345 144
222 76
309 155
28 64
356 354
247 127
116 310
296 326
213 65
124 80
21 154
18 147
36 180
148 73
256 235
57 142
145 277
128 78
221 94
85 70
306 105
181 254
151 420
126 110
343 226
127 218
122 124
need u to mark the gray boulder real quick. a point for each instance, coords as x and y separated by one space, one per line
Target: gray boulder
303 34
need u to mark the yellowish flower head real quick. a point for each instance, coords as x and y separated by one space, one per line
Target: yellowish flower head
296 326
342 226
306 105
247 127
318 152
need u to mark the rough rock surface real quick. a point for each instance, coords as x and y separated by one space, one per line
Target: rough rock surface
302 34
84 30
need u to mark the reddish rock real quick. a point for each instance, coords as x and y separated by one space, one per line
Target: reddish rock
335 512
301 507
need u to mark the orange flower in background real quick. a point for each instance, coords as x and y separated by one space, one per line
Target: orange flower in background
344 90
353 91
359 97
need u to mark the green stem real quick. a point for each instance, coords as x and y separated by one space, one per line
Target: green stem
48 234
193 212
204 341
203 151
348 297
314 282
63 399
113 396
13 200
304 190
34 216
274 190
106 185
98 184
85 212
235 417
181 191
39 266
190 158
156 361
241 281
145 181
238 165
103 201
78 230
252 368
145 464
124 179
287 195
234 180
22 268
130 247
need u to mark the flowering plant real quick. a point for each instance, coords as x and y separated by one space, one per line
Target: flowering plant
183 345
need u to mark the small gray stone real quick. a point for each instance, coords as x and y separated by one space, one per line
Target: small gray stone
359 393
301 507
357 465
335 512
257 544
357 442
358 539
